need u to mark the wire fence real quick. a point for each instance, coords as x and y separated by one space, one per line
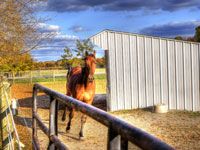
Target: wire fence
41 75
8 129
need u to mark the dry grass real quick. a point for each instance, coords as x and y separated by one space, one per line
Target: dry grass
178 128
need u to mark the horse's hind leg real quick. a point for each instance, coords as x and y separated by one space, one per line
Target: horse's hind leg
71 115
83 120
64 114
65 110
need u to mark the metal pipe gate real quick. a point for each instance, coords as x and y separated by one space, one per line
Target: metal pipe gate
119 132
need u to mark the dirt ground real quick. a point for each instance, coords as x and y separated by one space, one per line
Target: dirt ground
180 129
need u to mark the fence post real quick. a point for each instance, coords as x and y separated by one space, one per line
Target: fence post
53 121
13 77
35 143
31 76
113 140
6 129
53 75
108 99
124 144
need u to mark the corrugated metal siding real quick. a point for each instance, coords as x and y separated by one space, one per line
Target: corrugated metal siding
141 72
179 75
134 72
172 74
156 71
113 78
164 71
149 71
187 76
127 76
145 71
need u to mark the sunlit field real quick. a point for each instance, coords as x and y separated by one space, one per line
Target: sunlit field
44 75
60 86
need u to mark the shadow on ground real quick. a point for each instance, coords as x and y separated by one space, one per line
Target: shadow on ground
44 102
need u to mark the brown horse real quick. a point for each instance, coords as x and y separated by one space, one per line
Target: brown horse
81 86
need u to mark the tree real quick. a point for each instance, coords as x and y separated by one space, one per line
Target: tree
179 38
67 57
18 33
197 34
101 62
191 39
83 46
14 64
12 30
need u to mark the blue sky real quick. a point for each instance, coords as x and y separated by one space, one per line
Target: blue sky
78 19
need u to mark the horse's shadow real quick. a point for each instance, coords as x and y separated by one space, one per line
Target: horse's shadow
43 102
69 135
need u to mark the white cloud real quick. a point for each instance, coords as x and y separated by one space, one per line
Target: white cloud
77 28
56 37
43 27
52 47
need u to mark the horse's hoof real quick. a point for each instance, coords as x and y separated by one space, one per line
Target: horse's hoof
81 138
67 129
63 118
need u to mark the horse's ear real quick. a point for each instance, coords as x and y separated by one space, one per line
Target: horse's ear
94 53
86 53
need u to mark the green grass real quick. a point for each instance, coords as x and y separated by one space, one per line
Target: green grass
47 76
60 84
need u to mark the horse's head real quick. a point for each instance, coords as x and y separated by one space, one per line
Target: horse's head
90 63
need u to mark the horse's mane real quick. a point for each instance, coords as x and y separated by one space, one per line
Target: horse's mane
84 75
78 75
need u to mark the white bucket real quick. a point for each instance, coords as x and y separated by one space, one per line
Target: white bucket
161 108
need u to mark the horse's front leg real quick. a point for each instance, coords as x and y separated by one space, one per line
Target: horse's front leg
71 115
64 114
65 110
83 121
84 118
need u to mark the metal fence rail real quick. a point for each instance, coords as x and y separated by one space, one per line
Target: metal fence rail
119 132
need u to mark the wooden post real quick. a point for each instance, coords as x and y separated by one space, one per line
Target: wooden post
13 77
53 122
113 140
39 74
108 99
53 75
31 77
124 144
35 143
6 128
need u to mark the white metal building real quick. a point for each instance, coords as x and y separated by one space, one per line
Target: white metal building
144 71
